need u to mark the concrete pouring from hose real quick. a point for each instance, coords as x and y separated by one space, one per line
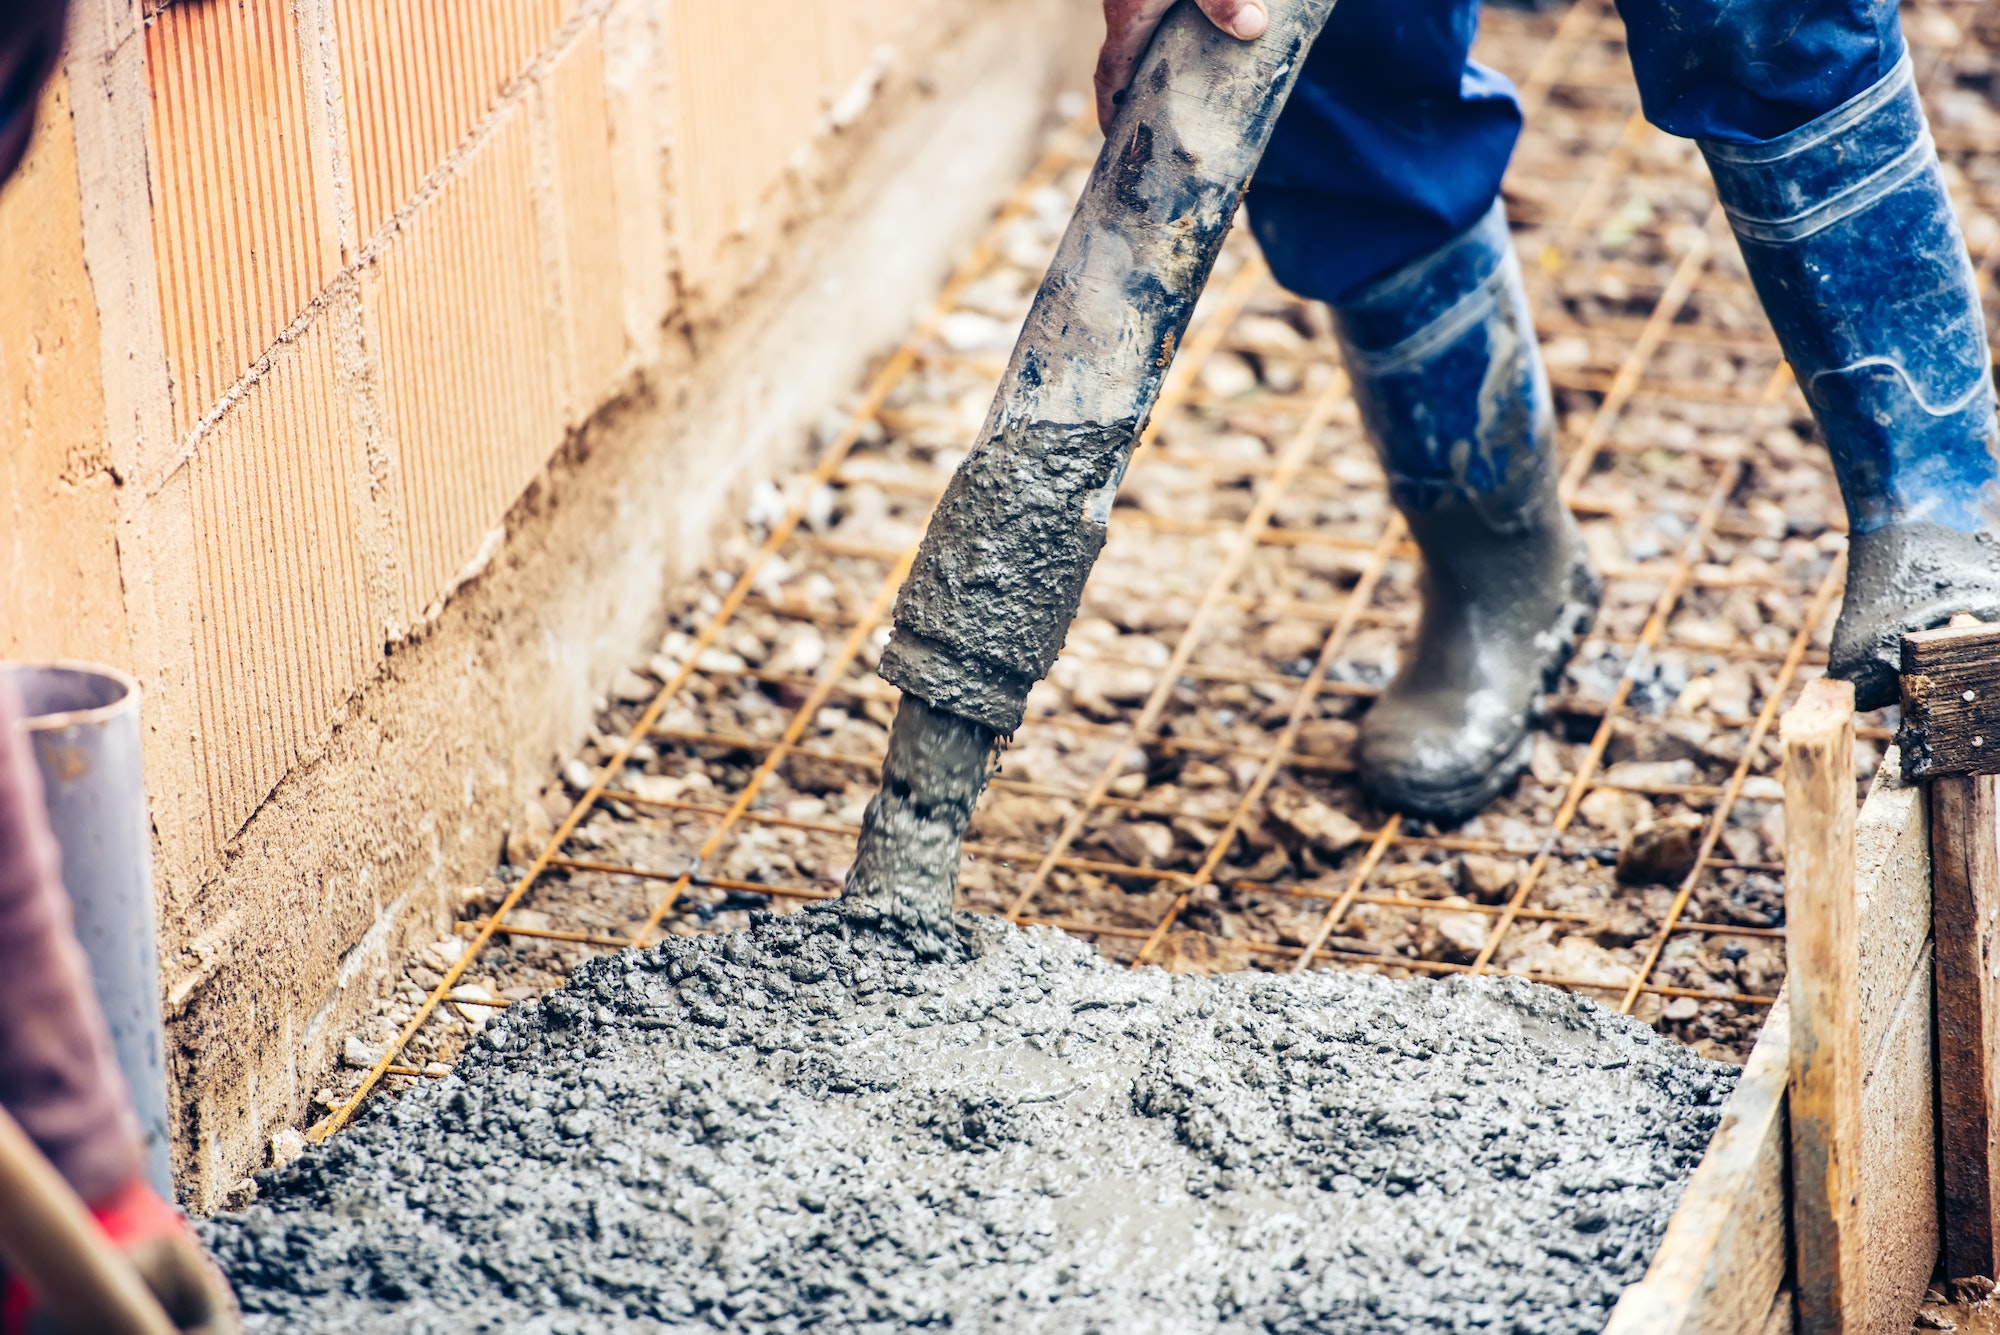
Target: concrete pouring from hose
1002 567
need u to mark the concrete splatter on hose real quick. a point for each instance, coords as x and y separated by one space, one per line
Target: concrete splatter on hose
906 862
1002 566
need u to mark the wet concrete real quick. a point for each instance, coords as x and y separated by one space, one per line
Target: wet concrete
906 860
1909 576
806 1126
997 580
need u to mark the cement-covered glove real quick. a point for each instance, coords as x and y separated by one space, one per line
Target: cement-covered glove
164 1252
1128 26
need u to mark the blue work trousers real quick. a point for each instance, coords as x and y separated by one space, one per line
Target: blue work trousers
1395 139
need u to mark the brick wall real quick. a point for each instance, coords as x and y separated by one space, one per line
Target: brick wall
303 297
385 236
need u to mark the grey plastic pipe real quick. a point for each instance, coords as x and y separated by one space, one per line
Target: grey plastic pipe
1002 566
83 721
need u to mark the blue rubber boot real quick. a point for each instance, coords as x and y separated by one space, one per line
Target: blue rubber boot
1849 236
1445 367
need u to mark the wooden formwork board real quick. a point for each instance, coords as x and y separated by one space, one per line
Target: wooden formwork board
1723 1264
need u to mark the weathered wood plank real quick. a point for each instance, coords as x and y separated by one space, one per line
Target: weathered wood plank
1892 893
1899 1199
1899 1214
1965 881
1723 1257
1951 701
1721 1263
1822 949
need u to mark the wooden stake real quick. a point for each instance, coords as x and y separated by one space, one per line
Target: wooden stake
1965 861
1823 951
1951 700
49 1239
1951 736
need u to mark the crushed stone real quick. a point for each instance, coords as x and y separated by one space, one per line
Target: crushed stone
805 1126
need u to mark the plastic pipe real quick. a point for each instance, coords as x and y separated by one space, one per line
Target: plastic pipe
83 721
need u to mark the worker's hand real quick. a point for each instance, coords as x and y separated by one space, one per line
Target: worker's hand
1128 26
160 1246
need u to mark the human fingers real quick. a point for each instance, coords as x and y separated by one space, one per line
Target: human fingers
1128 26
30 44
1239 18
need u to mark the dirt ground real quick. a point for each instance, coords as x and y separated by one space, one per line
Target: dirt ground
1182 793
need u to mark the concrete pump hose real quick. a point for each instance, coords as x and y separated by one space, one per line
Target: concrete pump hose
1002 567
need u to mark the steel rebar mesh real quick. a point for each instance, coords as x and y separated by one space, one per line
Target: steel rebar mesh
1182 792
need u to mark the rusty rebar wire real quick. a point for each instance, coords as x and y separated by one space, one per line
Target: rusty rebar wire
1565 60
1062 156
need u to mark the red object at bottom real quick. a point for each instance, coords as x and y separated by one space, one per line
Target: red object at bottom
133 1214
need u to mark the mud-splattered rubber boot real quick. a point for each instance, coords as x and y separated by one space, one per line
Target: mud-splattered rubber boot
1849 236
1443 358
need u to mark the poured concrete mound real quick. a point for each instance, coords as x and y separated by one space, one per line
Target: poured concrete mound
805 1127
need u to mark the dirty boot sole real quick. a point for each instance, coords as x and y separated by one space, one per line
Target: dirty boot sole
1902 578
1450 803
